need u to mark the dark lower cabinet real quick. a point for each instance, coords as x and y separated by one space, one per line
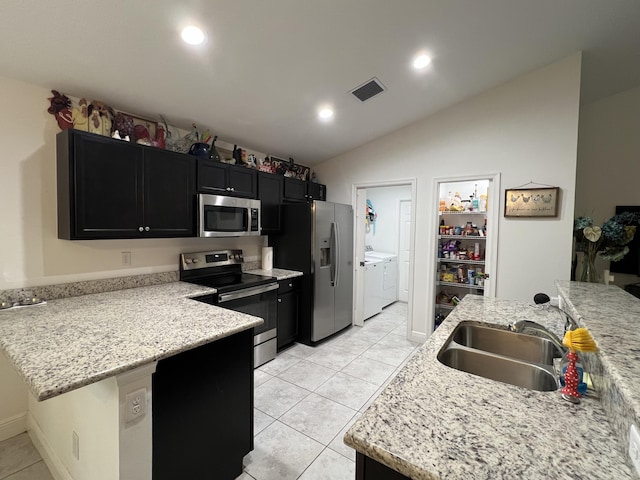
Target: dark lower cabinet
288 311
114 189
202 408
369 469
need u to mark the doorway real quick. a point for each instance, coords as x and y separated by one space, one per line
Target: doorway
385 224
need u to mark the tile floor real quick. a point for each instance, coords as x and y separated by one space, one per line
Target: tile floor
305 400
19 460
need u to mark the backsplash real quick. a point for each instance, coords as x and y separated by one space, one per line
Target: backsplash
74 289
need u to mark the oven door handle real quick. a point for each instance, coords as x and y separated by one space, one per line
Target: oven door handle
246 292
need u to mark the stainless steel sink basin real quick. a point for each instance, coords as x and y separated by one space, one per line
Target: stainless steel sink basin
501 355
524 347
501 369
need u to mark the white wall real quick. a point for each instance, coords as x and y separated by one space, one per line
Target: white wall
93 413
609 160
384 237
13 401
31 253
527 130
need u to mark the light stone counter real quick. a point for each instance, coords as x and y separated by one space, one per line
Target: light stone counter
435 422
279 273
68 343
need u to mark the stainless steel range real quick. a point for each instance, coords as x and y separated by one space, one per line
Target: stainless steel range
243 292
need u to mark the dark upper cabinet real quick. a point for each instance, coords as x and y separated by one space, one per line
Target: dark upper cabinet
169 193
217 178
295 190
114 189
316 191
270 192
300 191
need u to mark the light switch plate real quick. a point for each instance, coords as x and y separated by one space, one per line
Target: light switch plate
634 447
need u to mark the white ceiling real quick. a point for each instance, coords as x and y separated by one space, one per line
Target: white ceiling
269 64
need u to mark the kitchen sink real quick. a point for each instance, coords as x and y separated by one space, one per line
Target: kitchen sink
524 347
501 355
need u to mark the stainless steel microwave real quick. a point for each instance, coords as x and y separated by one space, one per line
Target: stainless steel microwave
221 216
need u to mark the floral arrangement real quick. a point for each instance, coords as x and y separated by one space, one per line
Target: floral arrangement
609 240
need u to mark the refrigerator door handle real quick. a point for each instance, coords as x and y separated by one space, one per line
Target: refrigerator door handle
333 254
336 246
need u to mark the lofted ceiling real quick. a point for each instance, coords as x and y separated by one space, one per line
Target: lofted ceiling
267 66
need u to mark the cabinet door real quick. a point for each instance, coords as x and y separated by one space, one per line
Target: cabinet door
204 398
295 190
270 190
105 186
288 303
316 191
212 177
169 194
242 182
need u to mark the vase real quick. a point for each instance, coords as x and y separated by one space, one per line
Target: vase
589 272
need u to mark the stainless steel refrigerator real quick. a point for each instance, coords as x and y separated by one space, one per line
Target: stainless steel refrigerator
317 239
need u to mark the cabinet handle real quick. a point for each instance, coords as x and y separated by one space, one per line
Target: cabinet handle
232 189
228 189
146 229
279 300
140 229
291 284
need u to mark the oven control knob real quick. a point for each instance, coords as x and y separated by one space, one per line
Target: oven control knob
187 261
195 260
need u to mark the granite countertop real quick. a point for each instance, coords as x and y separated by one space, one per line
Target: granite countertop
436 422
68 343
279 273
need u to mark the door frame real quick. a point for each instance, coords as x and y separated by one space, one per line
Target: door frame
359 242
400 203
493 222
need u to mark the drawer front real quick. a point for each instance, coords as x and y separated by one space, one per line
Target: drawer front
288 285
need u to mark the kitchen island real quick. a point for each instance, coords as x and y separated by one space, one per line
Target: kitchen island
90 363
436 422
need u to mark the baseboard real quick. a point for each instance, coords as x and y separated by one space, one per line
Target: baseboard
418 336
12 426
54 464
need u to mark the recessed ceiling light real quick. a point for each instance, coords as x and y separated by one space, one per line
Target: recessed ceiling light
192 35
325 113
421 61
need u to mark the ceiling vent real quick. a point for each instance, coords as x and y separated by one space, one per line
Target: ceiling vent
369 89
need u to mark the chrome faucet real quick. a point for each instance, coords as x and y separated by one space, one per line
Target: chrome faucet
522 325
544 300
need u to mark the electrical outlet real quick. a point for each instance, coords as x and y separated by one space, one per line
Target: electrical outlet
634 447
75 445
136 405
126 259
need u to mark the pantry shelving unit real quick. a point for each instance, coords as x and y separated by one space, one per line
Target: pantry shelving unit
457 275
465 252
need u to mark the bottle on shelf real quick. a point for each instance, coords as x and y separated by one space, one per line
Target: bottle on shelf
475 202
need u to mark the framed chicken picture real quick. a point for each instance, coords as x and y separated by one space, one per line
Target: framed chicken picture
531 202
